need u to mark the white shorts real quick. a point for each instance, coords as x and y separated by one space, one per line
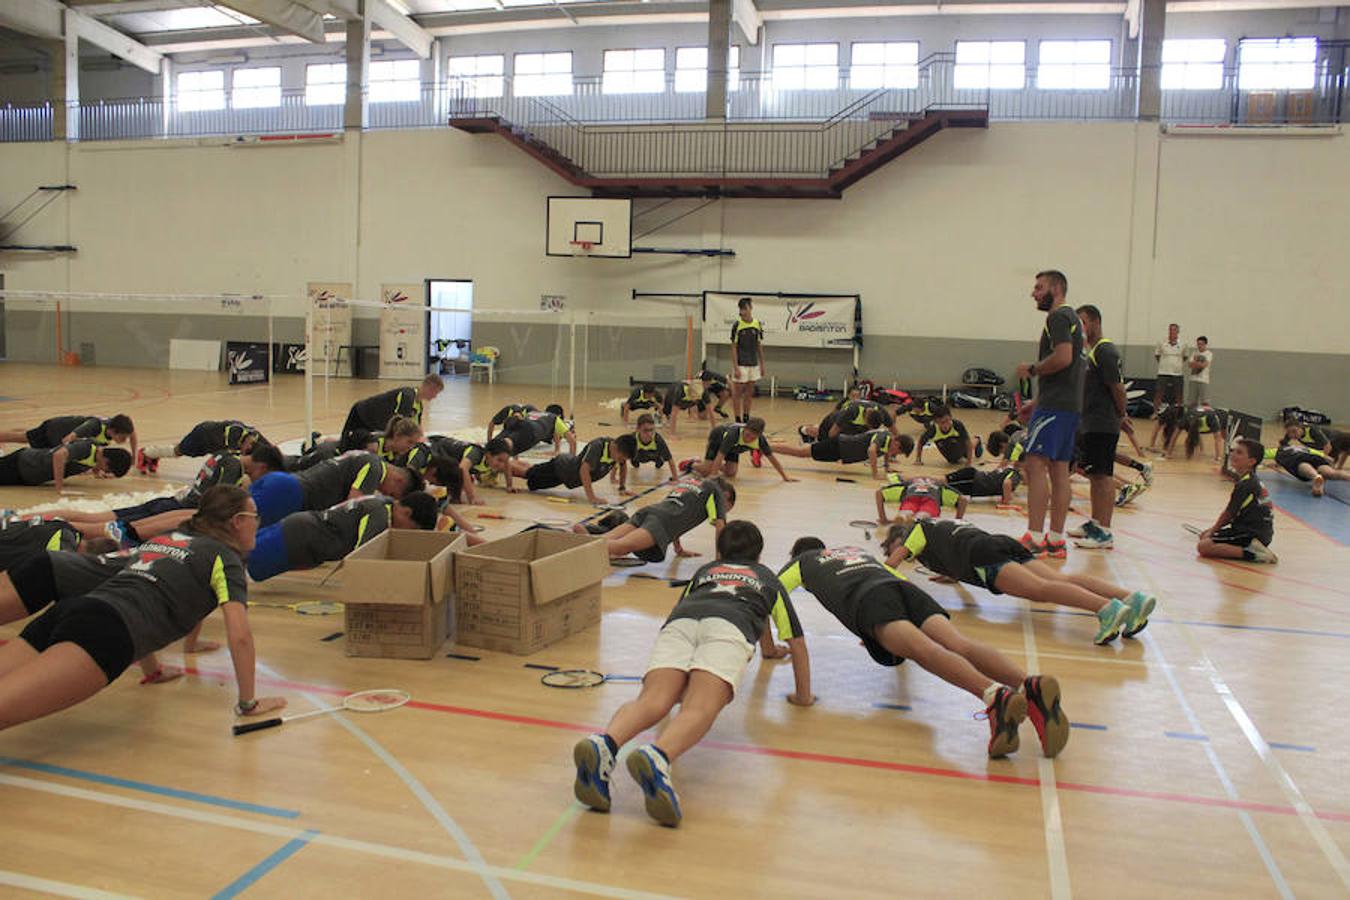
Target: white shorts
712 645
748 374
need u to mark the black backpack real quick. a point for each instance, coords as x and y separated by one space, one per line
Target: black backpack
977 375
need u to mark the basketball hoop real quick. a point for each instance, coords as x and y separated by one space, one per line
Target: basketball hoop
582 248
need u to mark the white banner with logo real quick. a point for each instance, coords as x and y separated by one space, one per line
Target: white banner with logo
332 318
403 331
789 320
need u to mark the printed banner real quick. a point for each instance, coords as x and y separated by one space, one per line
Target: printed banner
788 320
289 359
332 328
403 331
246 361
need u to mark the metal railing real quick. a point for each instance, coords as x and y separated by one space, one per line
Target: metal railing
752 100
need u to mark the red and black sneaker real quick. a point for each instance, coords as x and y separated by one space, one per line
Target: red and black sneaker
1052 726
756 458
142 464
687 465
1005 714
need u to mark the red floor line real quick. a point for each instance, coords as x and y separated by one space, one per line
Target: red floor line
806 756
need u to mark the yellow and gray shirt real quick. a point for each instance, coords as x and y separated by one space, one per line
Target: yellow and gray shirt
748 595
745 337
312 538
839 577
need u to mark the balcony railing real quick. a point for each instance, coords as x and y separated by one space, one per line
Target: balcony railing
752 98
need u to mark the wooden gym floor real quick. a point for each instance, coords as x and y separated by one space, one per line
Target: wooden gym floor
1203 765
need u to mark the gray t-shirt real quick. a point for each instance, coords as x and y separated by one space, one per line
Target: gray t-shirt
35 466
747 595
595 453
76 574
23 536
688 505
1062 390
1099 404
332 481
312 538
171 583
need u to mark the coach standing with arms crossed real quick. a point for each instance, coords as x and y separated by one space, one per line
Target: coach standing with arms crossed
1054 423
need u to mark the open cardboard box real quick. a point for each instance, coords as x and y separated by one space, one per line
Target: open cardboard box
398 591
522 593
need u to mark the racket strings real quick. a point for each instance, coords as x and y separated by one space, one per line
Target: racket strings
377 700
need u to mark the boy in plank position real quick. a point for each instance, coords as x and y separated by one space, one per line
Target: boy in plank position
687 397
644 445
949 436
351 475
642 398
509 413
1246 527
476 461
34 467
572 470
726 443
715 393
22 537
372 414
958 551
700 654
654 528
540 427
897 621
60 430
227 436
871 447
920 497
854 417
304 540
999 482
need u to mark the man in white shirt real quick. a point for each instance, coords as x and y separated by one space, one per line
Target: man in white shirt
1171 359
1198 364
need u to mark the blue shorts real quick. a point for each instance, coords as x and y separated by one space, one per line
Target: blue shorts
1052 433
268 556
277 495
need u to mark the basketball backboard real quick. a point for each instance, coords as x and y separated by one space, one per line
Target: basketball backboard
589 226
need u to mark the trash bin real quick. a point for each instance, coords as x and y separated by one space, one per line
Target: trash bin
367 362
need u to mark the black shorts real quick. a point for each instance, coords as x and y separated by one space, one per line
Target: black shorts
37 438
1241 537
542 476
891 602
1098 453
34 582
989 555
825 449
196 442
715 446
1170 388
356 439
149 508
1291 460
92 625
9 469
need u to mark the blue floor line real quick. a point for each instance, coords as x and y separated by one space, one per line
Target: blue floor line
1186 736
176 793
899 706
249 878
1301 748
1087 725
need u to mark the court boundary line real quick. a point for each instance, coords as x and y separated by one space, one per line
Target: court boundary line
1057 857
810 756
274 859
58 888
387 851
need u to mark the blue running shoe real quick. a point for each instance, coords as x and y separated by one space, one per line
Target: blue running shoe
652 773
1141 607
594 765
1110 620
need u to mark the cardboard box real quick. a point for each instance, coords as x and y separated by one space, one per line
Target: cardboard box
522 593
399 594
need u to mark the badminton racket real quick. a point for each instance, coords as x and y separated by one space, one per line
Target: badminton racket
867 525
627 562
378 700
1193 529
307 607
572 679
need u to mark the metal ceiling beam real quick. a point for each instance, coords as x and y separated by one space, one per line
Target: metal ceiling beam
129 6
385 17
289 17
747 19
52 20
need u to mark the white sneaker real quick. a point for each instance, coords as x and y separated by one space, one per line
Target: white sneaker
594 764
1262 553
1147 472
1080 531
1099 540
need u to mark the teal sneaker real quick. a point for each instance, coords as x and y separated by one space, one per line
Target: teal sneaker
1140 607
1110 619
652 773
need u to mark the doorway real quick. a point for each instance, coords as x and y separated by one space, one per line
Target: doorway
450 322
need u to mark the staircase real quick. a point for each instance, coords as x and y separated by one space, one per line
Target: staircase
898 133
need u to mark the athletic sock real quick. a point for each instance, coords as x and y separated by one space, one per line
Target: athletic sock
609 742
158 452
1037 536
1054 537
662 753
990 693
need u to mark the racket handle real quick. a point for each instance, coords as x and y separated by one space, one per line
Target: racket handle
256 726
